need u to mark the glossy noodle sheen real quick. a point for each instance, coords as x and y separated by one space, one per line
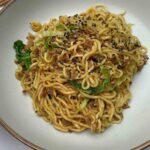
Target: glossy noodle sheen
78 69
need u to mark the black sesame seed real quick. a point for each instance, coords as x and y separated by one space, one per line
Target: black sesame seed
113 44
120 49
65 33
49 96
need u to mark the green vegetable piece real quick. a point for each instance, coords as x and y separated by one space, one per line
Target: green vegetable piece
22 56
46 46
121 80
91 90
105 72
53 45
72 27
60 27
75 84
84 103
49 44
99 88
18 46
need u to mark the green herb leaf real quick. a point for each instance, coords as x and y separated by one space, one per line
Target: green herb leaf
22 56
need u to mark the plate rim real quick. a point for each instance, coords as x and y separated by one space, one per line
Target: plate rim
18 136
23 140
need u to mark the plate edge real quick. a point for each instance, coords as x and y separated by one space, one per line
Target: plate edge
6 6
19 137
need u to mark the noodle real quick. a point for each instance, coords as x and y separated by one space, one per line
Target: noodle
78 69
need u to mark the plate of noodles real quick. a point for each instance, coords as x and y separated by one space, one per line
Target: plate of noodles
75 74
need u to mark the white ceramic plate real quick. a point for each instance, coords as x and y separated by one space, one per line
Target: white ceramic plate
16 109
